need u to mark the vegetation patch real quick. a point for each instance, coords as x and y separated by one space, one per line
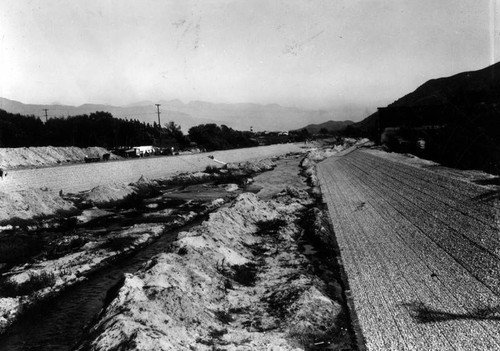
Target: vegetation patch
66 247
19 248
212 170
279 301
223 316
215 336
35 282
118 243
272 226
245 274
334 337
182 251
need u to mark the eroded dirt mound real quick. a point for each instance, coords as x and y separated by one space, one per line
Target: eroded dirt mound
252 167
32 203
237 281
47 156
109 193
114 193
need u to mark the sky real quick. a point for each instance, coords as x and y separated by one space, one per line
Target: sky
314 54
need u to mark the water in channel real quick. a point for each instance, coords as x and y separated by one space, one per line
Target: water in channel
58 323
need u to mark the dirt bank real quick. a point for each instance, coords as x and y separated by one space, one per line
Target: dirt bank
27 157
236 282
132 215
79 177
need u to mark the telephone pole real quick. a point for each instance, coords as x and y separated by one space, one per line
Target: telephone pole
46 109
159 124
158 107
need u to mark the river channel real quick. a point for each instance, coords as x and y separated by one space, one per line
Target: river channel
59 323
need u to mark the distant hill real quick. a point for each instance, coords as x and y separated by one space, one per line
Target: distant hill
237 116
448 94
331 126
456 119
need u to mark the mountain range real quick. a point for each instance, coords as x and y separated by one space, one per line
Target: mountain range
240 116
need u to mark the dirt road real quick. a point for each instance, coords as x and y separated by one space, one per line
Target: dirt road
79 177
421 251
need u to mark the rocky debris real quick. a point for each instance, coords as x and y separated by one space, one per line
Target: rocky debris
91 214
316 155
29 204
252 167
47 156
236 282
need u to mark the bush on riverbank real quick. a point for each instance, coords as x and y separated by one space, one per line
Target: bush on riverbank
35 282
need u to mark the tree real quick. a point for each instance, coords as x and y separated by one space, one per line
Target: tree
174 135
212 137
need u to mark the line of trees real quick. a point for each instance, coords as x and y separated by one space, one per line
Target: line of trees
213 137
102 129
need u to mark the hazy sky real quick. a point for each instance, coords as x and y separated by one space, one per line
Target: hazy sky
304 53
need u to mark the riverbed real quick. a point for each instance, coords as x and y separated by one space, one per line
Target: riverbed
58 323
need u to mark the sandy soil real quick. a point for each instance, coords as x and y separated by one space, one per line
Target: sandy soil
91 248
70 268
204 296
285 174
309 312
28 157
80 177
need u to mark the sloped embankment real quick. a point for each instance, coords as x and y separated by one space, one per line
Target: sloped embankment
29 204
237 281
22 157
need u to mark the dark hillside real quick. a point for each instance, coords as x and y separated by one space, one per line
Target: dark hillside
482 86
330 126
453 120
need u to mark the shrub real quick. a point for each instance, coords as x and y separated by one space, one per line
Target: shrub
64 248
245 274
270 227
224 317
212 169
182 251
35 282
118 243
17 248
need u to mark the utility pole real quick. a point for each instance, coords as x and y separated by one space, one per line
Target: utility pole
46 109
158 107
159 124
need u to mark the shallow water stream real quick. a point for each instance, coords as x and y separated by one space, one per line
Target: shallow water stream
59 323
